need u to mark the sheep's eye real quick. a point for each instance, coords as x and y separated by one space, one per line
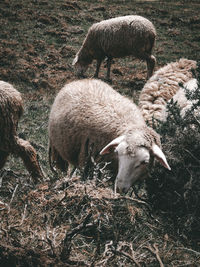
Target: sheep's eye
142 163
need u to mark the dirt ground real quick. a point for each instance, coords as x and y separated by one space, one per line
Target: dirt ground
66 221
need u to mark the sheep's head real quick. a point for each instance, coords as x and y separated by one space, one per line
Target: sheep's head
81 65
133 164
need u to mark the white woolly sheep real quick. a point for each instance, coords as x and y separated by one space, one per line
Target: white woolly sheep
89 113
162 87
116 38
11 109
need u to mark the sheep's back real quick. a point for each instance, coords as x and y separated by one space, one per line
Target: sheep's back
89 111
11 109
123 36
162 86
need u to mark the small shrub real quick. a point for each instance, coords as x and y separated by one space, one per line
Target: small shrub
176 193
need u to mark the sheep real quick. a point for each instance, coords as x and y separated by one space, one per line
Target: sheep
89 113
162 87
115 38
11 109
181 99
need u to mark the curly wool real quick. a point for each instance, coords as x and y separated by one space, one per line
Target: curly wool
162 86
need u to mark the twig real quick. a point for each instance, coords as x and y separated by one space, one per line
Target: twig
77 229
24 215
190 250
50 243
2 174
133 256
197 120
155 251
116 252
13 195
108 254
192 155
65 253
130 257
132 199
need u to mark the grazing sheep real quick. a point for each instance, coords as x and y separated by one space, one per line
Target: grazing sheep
11 109
116 38
162 87
90 114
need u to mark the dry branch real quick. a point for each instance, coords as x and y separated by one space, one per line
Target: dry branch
67 240
155 252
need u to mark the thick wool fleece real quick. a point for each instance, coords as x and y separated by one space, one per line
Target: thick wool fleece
89 113
162 86
119 37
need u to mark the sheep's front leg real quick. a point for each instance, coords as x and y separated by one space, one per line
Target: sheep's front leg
97 68
109 61
151 61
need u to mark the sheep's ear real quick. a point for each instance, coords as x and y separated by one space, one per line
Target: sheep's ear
75 60
112 145
159 155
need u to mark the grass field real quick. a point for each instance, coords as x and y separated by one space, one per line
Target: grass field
63 222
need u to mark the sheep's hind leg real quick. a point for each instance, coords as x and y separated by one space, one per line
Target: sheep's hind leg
109 61
97 68
54 157
151 61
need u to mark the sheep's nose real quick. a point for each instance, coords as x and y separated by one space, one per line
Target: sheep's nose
121 186
121 190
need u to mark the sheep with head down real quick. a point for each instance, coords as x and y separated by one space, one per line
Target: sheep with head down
115 38
11 109
89 113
